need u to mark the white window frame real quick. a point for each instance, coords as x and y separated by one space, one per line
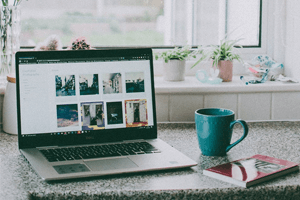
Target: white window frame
267 38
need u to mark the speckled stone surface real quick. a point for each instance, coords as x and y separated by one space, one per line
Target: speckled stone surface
278 139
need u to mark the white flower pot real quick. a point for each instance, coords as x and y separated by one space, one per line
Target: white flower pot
174 70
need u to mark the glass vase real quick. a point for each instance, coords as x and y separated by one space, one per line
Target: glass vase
9 41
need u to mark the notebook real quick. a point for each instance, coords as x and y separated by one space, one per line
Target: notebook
90 113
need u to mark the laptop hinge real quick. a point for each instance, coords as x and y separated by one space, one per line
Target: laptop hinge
47 147
137 140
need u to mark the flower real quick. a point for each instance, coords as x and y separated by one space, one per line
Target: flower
80 44
50 44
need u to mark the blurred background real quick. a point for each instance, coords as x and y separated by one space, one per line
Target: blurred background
155 23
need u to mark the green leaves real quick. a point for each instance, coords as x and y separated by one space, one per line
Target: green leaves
5 2
180 53
224 51
16 2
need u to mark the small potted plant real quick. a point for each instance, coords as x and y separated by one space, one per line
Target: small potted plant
174 62
222 56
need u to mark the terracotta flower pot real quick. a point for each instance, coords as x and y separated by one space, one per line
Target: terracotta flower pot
225 68
174 70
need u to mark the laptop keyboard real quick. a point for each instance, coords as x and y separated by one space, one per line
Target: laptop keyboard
98 151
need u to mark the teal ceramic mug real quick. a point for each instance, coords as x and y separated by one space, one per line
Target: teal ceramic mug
214 130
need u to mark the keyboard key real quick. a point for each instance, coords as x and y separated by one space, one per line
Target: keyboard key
98 151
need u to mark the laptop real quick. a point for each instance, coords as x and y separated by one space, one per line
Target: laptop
90 113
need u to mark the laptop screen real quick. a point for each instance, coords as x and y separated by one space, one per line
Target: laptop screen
71 97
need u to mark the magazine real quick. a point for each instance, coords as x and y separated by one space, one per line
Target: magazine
253 170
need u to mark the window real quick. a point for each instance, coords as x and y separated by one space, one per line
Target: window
155 23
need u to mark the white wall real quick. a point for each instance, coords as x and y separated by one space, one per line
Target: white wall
292 46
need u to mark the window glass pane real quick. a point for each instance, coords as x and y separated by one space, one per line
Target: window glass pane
101 22
235 19
179 19
139 22
243 18
209 24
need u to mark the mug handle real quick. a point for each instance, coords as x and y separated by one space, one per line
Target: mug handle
245 127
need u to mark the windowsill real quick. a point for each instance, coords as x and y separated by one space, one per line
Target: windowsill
192 85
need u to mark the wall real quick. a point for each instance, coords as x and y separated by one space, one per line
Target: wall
271 101
271 106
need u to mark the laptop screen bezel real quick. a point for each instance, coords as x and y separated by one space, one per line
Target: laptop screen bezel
101 136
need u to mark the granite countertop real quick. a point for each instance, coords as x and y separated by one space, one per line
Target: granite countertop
278 139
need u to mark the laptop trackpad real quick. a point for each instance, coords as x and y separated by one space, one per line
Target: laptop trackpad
110 164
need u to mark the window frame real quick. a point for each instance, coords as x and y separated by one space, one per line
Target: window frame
263 26
246 51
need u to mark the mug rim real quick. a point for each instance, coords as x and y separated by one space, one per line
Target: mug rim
206 115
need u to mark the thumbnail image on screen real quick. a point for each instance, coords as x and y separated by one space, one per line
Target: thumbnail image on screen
92 115
112 83
134 82
88 84
136 112
67 115
114 113
65 85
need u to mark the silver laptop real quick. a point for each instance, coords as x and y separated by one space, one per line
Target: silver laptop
90 113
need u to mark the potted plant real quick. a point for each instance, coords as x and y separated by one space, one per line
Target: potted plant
222 56
174 62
